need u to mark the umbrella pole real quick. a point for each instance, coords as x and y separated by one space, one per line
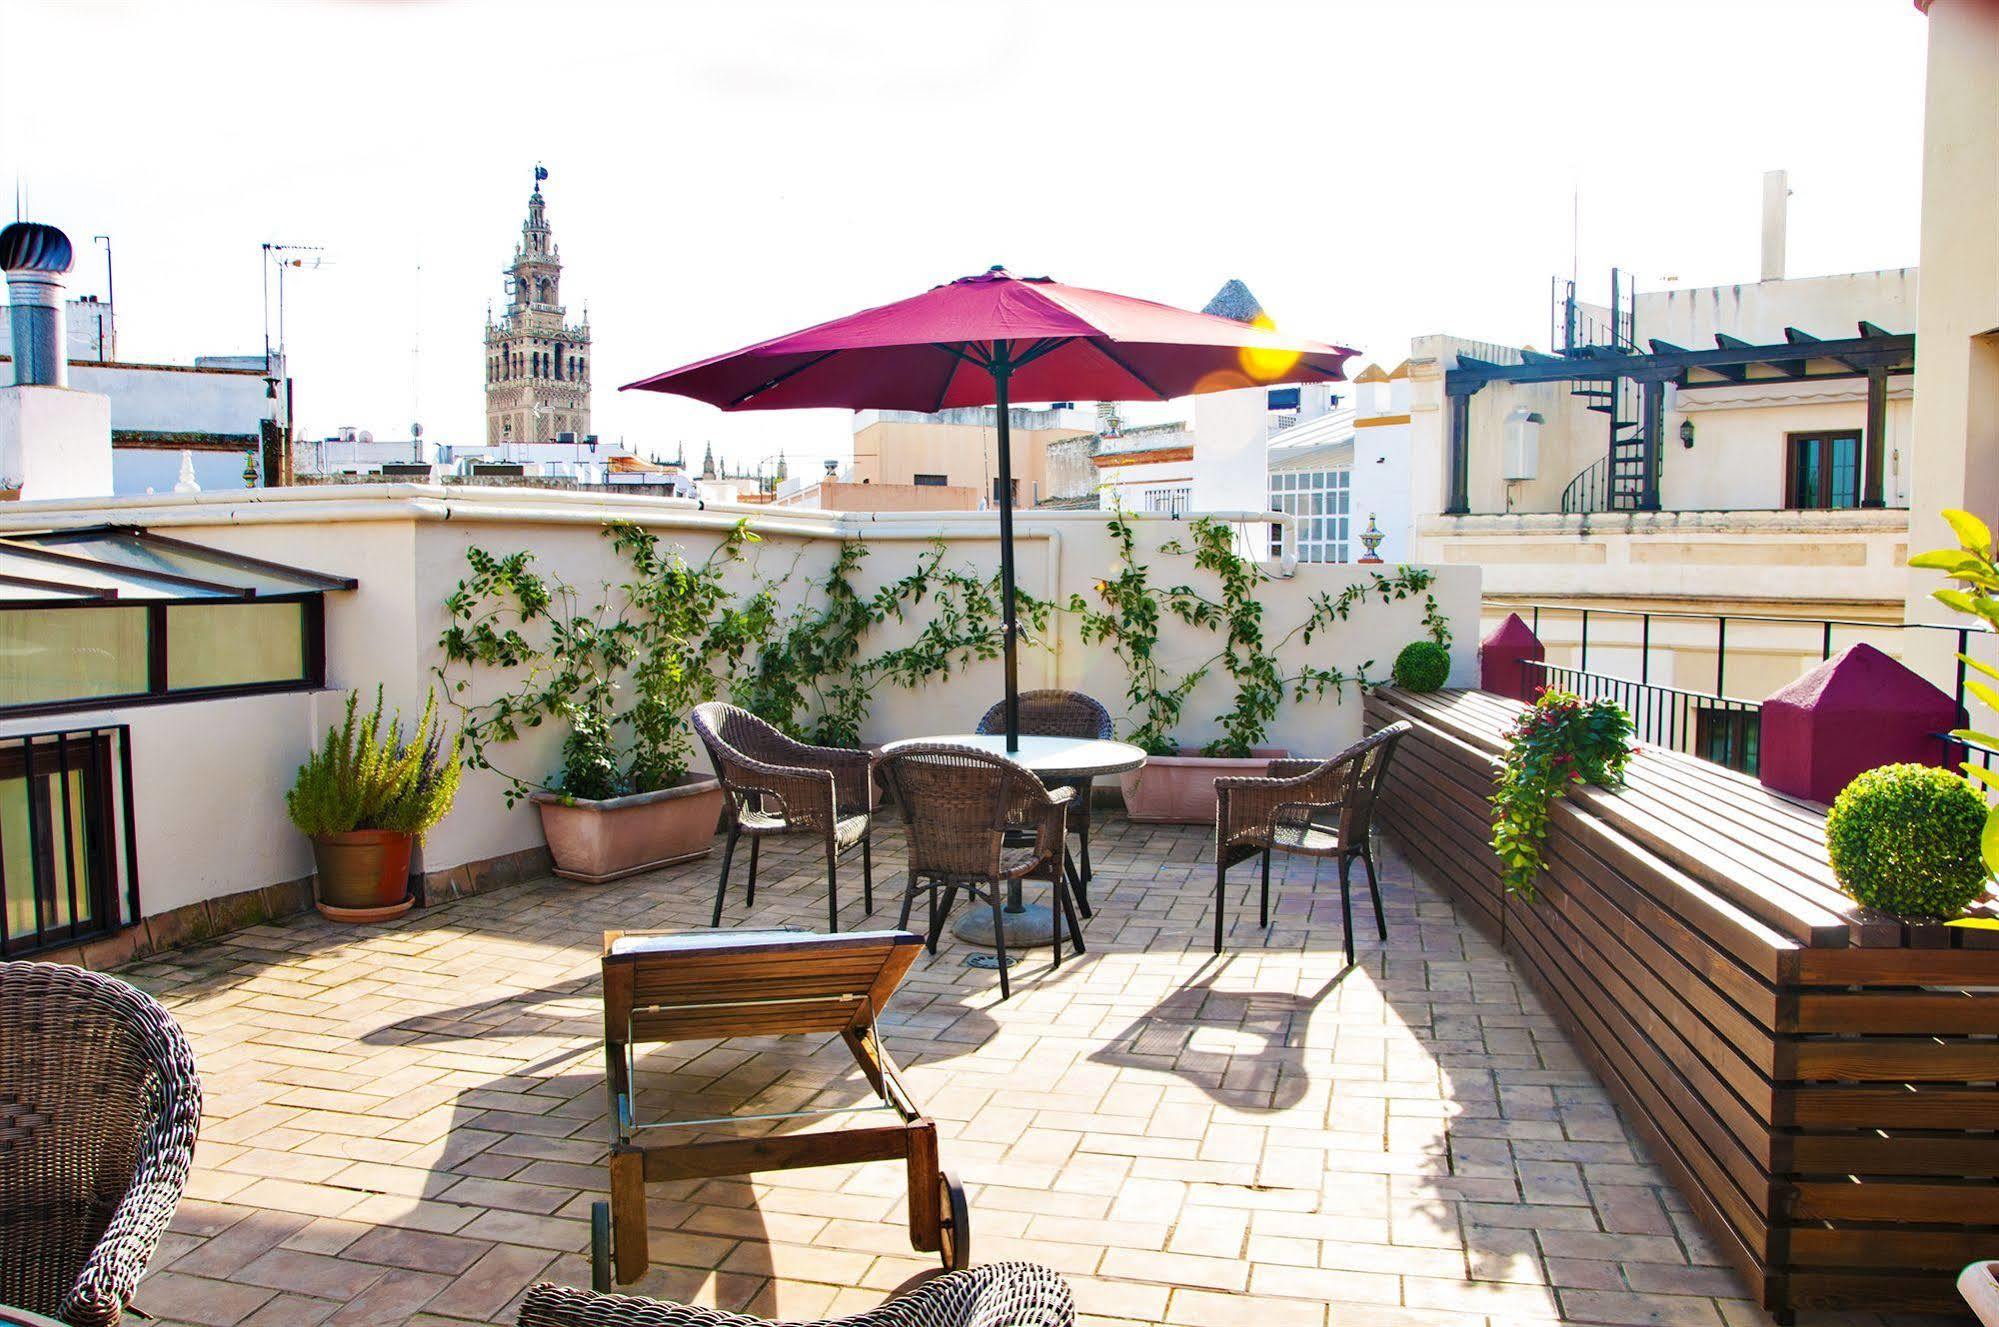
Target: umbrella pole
1002 369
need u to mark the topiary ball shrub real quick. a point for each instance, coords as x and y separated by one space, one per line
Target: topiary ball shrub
1423 665
1905 839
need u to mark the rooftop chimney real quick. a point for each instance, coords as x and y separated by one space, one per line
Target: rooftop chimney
1776 210
35 257
54 442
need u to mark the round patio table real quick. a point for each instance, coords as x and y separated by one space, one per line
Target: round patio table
1053 760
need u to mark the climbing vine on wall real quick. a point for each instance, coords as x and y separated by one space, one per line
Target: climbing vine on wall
620 671
623 670
1132 609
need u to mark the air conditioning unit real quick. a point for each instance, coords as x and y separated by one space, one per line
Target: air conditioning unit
1520 456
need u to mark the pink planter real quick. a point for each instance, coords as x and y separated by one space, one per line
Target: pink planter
1180 790
599 841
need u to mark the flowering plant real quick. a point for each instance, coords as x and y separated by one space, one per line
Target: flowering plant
1564 739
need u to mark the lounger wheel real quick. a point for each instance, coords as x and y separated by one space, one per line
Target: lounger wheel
954 1242
600 1247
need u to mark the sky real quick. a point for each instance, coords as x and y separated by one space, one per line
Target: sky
722 172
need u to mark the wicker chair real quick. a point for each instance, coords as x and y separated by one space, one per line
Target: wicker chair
979 822
1062 714
1315 808
1008 1294
99 1106
775 785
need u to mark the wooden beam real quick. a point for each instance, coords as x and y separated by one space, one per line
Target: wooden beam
1654 423
744 1156
1736 373
1797 337
1457 500
1792 358
1874 442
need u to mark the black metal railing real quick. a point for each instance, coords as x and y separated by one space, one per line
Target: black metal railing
1574 326
1712 727
1588 491
1805 637
69 866
1960 752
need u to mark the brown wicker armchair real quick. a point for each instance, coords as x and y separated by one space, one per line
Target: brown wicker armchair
775 785
978 822
1315 808
1008 1294
1054 713
99 1106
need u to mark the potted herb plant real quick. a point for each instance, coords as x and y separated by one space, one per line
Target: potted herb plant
364 797
620 677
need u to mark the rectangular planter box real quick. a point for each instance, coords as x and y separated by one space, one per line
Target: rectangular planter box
1180 790
602 841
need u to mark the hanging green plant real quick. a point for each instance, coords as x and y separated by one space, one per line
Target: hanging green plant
1564 739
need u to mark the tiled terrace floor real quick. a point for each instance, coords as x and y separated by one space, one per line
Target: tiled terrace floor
405 1123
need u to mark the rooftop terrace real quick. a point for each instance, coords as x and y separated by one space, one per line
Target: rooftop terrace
405 1124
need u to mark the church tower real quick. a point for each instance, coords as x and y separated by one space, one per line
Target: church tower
537 362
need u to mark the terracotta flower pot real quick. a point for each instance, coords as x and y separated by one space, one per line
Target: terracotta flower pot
620 836
1180 790
362 875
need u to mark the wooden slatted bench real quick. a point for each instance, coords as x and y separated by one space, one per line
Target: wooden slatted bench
1821 1083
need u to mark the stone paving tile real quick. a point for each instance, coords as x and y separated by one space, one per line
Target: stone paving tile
405 1124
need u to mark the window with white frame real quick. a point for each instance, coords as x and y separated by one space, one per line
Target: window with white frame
1172 499
1321 500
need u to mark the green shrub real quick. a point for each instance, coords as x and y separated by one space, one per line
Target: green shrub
1423 665
365 775
1905 839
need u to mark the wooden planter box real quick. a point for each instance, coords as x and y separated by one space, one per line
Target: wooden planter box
1818 1082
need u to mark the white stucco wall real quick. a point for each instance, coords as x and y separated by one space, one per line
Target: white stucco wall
55 442
172 398
1828 307
1231 435
1381 480
210 776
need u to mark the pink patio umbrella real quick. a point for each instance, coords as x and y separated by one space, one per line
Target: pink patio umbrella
995 338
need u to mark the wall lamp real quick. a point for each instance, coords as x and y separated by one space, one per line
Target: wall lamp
1687 434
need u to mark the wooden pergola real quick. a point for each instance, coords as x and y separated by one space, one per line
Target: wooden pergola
1875 355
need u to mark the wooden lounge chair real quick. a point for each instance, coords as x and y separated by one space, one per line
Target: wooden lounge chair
1005 1294
663 987
99 1106
1314 808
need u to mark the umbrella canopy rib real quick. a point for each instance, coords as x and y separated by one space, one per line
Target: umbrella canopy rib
780 379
